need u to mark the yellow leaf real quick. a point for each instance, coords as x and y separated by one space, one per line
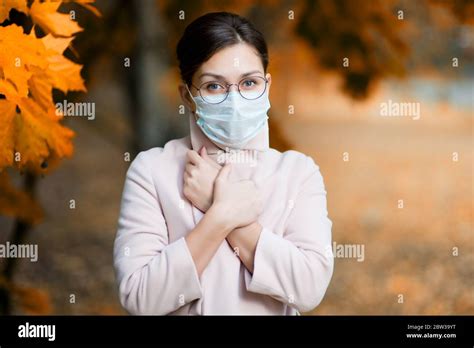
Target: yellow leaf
58 24
40 135
7 132
63 73
41 88
18 51
56 44
7 5
31 134
8 89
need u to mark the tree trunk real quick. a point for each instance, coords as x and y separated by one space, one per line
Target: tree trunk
150 118
20 232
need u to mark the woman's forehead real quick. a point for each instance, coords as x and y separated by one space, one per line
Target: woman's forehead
231 63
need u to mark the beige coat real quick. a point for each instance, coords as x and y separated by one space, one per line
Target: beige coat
293 260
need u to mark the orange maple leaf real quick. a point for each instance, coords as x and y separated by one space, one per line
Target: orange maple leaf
18 51
7 5
35 134
63 73
46 16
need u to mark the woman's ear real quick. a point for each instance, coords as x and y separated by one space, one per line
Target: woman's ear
186 98
269 79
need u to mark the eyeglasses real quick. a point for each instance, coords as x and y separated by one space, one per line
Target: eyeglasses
215 92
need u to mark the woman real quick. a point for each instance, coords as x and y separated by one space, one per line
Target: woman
200 236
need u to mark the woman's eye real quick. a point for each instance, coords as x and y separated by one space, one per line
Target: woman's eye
248 83
213 87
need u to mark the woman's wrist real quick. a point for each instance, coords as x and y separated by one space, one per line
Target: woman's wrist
221 218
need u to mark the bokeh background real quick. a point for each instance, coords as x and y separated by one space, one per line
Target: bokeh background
423 54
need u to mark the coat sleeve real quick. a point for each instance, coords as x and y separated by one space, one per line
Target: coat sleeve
296 268
154 276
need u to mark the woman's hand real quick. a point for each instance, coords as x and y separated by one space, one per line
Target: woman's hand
237 203
199 176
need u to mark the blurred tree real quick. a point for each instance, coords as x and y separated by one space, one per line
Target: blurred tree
370 34
151 123
360 40
462 9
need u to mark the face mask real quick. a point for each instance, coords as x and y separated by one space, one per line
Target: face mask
235 121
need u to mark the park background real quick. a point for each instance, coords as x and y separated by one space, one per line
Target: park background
403 51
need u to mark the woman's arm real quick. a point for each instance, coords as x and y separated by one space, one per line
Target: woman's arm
235 204
156 276
243 241
204 240
199 177
296 268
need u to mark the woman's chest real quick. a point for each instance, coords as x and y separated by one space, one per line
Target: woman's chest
276 188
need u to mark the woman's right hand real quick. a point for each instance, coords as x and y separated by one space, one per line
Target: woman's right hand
237 203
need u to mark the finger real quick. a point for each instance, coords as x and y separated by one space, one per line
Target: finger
193 157
203 152
205 157
224 173
215 165
188 168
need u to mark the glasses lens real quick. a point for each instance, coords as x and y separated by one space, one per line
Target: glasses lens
213 92
252 87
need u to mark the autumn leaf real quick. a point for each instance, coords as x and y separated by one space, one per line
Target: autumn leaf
46 16
35 134
40 135
7 5
18 51
62 72
58 45
30 68
7 132
40 88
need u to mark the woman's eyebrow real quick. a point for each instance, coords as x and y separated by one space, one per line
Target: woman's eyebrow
251 73
220 77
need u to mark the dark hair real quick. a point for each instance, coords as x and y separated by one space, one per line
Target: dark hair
212 32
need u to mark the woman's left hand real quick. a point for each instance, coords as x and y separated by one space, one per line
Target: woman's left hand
199 176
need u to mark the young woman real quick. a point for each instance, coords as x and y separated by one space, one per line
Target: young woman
218 222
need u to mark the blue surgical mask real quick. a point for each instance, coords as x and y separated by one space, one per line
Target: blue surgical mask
235 121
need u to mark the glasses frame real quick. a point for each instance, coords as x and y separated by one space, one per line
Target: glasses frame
228 85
